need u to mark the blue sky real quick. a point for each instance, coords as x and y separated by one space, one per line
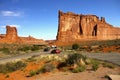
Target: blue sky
39 18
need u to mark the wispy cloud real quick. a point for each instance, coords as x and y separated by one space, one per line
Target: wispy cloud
11 13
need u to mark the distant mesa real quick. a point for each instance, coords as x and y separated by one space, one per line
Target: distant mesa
78 27
11 36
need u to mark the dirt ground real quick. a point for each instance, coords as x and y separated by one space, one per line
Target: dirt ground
59 75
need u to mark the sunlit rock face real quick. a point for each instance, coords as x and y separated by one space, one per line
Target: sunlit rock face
11 34
79 27
11 37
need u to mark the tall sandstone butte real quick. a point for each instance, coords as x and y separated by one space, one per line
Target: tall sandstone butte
77 27
11 36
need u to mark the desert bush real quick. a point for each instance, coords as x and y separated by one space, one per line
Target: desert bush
75 46
47 68
31 59
5 50
95 64
34 48
32 73
75 58
79 69
10 67
109 65
25 48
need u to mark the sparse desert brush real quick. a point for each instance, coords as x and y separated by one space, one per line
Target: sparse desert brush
31 59
79 69
48 68
10 67
75 46
5 50
95 64
75 58
32 73
109 65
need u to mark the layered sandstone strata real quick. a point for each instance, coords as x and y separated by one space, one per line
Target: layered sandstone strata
78 27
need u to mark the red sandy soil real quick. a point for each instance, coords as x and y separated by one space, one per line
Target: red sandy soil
112 49
58 75
87 75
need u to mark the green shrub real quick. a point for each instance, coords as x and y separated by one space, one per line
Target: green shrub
32 73
47 68
75 46
25 48
10 67
109 65
31 59
34 48
75 58
79 69
5 50
95 64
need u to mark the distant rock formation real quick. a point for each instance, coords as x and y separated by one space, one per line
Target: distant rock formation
11 36
77 27
32 40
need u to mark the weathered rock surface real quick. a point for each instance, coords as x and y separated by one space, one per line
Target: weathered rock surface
11 36
77 27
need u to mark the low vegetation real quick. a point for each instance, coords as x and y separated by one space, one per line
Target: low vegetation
47 68
12 66
109 65
75 46
74 63
15 49
79 69
95 64
75 58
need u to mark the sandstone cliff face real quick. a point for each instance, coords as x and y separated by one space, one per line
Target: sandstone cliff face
76 27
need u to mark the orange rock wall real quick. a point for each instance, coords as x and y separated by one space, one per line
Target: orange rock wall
78 27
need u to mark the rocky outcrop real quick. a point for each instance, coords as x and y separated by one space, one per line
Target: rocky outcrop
32 40
78 27
11 36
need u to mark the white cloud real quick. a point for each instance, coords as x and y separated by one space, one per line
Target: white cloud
11 13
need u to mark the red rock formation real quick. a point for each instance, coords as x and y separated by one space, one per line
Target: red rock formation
32 40
77 27
11 36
